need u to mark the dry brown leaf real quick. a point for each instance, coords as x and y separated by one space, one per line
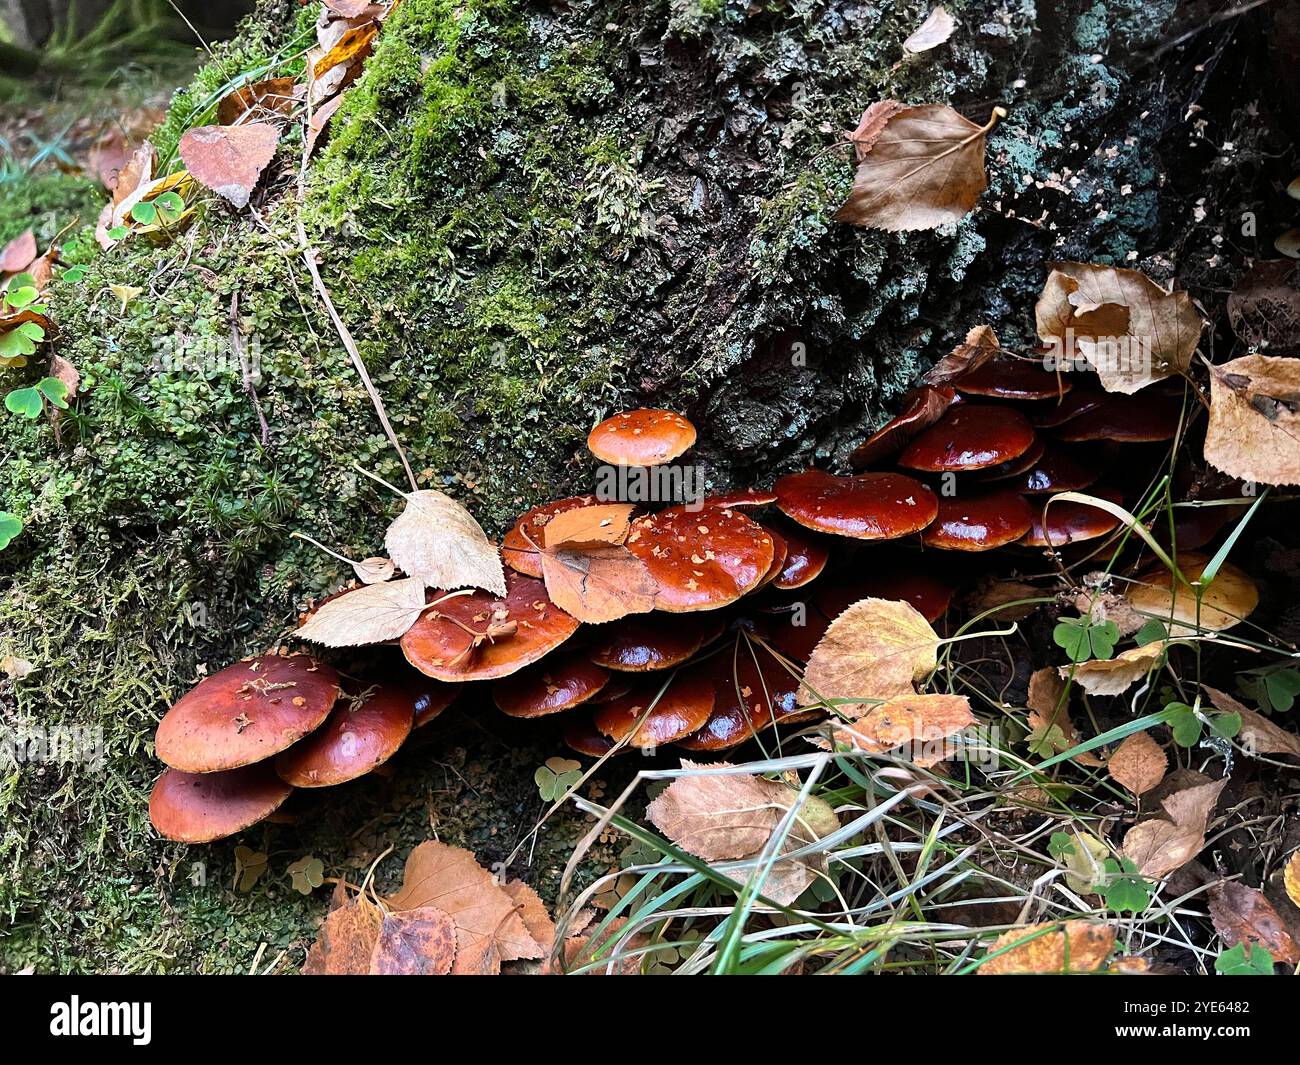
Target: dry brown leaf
18 254
318 122
346 940
533 912
598 584
107 157
1128 328
1048 708
1114 676
274 96
1291 878
922 168
871 125
876 650
1242 914
936 29
1258 734
604 523
719 816
438 540
374 570
1230 598
135 172
419 942
64 371
1076 947
1138 764
921 722
351 50
349 8
488 929
1160 846
1254 430
980 345
229 159
371 614
1100 606
596 946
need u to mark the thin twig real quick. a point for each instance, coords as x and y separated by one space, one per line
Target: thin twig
245 367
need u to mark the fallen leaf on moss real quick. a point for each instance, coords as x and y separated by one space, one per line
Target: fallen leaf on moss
488 928
1254 429
719 816
1114 676
1242 914
346 941
438 541
274 96
374 570
318 122
1138 764
936 29
419 942
980 345
532 911
1162 845
107 157
920 167
1075 947
371 614
229 160
876 650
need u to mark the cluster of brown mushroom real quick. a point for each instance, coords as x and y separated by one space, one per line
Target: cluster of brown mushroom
982 450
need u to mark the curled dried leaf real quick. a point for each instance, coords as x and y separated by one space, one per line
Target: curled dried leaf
437 540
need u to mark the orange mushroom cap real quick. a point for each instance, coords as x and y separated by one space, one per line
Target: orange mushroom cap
652 719
202 807
701 559
561 682
979 521
922 407
1058 470
642 644
870 506
246 713
363 731
970 437
743 497
644 437
806 555
1069 522
516 549
1012 379
1127 419
482 637
431 697
1079 401
580 734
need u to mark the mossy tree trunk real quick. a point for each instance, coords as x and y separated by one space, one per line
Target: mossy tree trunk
530 215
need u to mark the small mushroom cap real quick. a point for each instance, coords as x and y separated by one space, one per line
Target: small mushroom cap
1058 470
922 407
558 683
680 710
1013 379
927 593
645 643
517 552
364 730
1069 522
202 807
806 555
1079 401
1144 418
431 697
580 734
1014 467
979 521
641 438
970 437
701 559
870 506
779 552
246 713
511 632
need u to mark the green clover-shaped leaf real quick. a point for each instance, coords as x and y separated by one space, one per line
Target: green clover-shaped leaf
307 873
145 213
249 867
556 777
10 526
1152 631
21 339
1125 889
25 401
1244 960
1184 723
1047 740
54 390
1082 638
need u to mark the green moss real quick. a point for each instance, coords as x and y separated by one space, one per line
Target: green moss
45 202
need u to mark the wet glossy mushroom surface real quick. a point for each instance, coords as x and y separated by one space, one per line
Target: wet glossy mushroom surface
806 555
366 727
1069 522
517 548
1058 469
1147 417
651 716
644 644
482 637
979 521
701 559
971 436
557 683
921 408
646 437
869 506
246 713
580 734
203 807
1013 379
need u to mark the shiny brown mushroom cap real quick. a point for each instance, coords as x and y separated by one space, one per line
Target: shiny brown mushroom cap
651 716
580 734
1012 379
922 407
644 437
1058 470
979 521
246 713
364 730
701 559
1143 418
520 544
646 643
482 637
971 436
202 807
1069 522
806 555
870 506
557 683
